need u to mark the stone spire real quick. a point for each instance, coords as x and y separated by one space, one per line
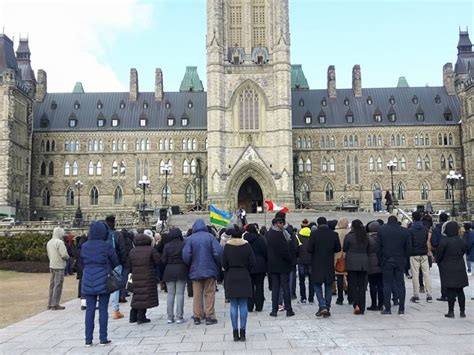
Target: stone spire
332 81
158 85
133 84
356 81
448 78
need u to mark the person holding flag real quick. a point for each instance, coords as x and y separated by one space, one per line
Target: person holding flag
219 217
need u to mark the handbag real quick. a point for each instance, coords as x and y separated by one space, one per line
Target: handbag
114 282
129 286
341 264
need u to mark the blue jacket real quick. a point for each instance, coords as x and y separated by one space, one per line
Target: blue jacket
202 253
98 258
436 235
470 245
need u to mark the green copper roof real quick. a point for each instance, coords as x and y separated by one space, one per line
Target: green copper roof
191 81
402 83
298 80
78 89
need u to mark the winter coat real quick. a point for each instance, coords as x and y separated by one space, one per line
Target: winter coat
237 261
419 239
259 248
304 258
202 253
322 246
143 260
117 240
436 235
394 245
172 258
450 259
341 232
374 267
57 251
388 198
357 258
98 258
279 252
470 245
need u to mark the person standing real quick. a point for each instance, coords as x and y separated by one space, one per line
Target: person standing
388 201
393 251
202 253
356 245
98 259
378 199
342 229
175 274
322 246
436 237
419 258
259 268
237 261
375 275
58 257
304 263
279 263
450 258
469 240
143 260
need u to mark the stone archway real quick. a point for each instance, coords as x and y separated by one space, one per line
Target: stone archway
250 196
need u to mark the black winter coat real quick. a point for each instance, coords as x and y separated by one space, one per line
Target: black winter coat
450 259
259 248
357 258
374 267
419 239
172 259
304 258
322 246
279 252
144 260
394 245
237 261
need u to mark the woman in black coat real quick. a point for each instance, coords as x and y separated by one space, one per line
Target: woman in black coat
175 274
143 259
237 261
355 246
258 271
450 259
375 275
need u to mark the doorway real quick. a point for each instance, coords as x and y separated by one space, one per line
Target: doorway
250 196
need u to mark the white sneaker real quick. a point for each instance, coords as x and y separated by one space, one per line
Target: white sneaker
180 320
170 320
469 274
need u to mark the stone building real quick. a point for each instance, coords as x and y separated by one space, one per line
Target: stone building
259 132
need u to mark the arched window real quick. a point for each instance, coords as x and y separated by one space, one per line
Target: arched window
356 141
123 168
332 165
450 139
70 197
427 162
303 143
379 141
309 166
401 190
379 164
43 169
348 171
53 146
143 145
189 194
101 145
332 142
424 191
249 109
392 140
417 141
403 163
162 146
47 146
194 144
300 165
443 162
305 193
170 167
183 144
440 139
404 141
395 161
147 144
371 164
94 196
193 167
75 168
165 195
298 143
98 169
185 167
369 140
422 139
46 197
329 192
324 165
114 168
322 142
450 162
67 169
351 140
124 145
445 139
398 141
118 196
137 145
171 144
190 144
206 145
42 146
419 163
427 139
90 168
114 145
346 142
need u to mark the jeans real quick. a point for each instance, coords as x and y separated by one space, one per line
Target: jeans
114 297
91 301
303 271
468 264
238 309
418 263
281 280
357 287
324 300
55 287
257 292
376 289
378 204
393 278
175 288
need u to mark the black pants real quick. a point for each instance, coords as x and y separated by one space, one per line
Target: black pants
293 282
281 280
452 294
257 292
137 315
303 271
376 289
393 278
357 287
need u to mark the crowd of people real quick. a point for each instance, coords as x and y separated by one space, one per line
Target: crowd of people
328 256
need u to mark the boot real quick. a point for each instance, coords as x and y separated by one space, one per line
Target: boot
242 335
117 314
141 317
133 315
462 314
236 335
450 314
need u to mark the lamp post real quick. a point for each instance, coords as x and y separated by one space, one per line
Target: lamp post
452 178
78 217
167 170
144 183
392 166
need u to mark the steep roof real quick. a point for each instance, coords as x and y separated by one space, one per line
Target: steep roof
298 79
78 88
191 81
7 54
402 83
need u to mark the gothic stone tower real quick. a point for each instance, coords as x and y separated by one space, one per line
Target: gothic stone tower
249 103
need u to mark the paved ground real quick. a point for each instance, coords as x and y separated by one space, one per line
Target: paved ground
423 329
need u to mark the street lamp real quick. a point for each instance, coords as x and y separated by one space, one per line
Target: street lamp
452 178
167 169
144 183
78 217
392 166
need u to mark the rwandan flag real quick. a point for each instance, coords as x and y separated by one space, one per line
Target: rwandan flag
218 217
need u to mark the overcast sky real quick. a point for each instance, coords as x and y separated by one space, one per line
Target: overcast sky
98 41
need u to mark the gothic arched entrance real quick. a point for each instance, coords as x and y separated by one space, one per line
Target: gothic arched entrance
250 195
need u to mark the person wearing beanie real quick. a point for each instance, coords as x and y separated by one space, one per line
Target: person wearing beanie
304 223
342 229
58 256
450 259
375 275
98 258
238 260
436 236
304 264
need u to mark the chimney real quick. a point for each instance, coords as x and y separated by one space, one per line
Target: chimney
356 81
448 78
41 85
158 84
332 81
133 84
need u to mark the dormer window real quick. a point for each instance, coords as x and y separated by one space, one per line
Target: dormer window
378 117
100 120
324 102
115 121
415 100
44 121
184 120
420 117
322 119
391 100
301 103
392 117
54 105
308 118
122 105
190 104
346 102
77 105
145 105
100 105
72 122
448 115
437 99
369 101
168 105
350 118
143 121
170 120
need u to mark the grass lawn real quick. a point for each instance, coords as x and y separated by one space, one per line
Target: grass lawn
26 294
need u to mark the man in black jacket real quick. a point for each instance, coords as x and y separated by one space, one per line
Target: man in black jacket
393 252
279 263
435 240
419 257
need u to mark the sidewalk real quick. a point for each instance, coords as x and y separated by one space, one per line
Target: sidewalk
423 329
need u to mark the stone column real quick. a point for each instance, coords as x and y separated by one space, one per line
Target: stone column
448 78
158 84
41 85
133 84
332 81
356 81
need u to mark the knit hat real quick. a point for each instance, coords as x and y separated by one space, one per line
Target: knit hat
452 229
148 232
280 217
332 224
321 220
373 227
304 223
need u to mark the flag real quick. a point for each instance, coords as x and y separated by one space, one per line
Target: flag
273 207
218 217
